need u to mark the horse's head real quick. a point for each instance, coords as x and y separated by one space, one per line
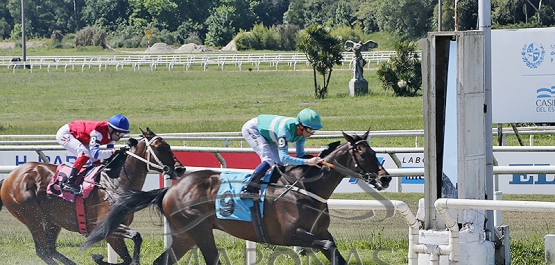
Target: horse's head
366 162
159 153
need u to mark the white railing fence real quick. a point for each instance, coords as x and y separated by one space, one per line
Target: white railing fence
170 61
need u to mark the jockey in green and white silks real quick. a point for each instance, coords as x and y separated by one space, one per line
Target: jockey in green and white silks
269 136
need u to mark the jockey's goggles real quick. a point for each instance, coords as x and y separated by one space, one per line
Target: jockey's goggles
309 130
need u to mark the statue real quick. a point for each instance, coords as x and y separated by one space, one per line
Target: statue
357 48
359 85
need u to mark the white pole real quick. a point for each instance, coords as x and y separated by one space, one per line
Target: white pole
497 214
112 256
167 230
484 20
250 253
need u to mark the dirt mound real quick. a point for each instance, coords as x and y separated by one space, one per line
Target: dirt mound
160 47
191 47
230 47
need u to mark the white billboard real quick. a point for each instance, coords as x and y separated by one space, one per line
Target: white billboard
523 75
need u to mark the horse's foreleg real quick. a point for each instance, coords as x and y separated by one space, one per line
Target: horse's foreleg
45 235
52 231
326 244
179 247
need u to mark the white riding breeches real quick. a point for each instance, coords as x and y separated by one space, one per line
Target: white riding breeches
69 142
267 151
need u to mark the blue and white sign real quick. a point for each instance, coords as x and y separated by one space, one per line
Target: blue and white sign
523 75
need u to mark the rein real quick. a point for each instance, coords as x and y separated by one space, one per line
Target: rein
150 152
331 165
292 187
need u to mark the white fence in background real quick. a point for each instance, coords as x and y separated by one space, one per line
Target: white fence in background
171 61
226 137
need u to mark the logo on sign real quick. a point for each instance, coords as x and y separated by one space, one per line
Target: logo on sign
533 55
529 179
545 99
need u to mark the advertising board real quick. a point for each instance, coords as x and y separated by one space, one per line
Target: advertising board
523 75
509 184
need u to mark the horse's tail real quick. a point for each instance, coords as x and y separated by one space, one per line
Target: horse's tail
1 182
128 203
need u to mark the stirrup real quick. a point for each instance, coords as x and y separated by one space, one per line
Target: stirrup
246 194
71 188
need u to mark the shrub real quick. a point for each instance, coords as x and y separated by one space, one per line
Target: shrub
166 37
99 38
270 39
188 32
260 38
56 36
245 40
288 36
90 36
403 73
133 42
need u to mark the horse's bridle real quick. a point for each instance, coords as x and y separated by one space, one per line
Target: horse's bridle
366 176
164 168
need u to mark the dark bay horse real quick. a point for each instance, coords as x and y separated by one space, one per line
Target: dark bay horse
298 218
23 193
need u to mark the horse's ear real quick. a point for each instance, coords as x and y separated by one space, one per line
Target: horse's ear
348 137
149 131
365 136
143 132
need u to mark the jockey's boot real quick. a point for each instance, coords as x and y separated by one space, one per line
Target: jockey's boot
251 190
69 185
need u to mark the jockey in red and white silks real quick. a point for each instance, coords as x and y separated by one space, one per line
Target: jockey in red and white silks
83 138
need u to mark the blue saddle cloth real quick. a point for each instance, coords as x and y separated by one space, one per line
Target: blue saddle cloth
229 205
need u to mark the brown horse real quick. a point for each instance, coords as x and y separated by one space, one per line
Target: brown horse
23 193
298 218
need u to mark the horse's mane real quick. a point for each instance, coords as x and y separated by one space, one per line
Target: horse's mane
113 165
331 147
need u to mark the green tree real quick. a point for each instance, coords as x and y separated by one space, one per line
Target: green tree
322 51
219 26
343 14
163 12
403 73
295 14
366 15
106 14
270 12
410 18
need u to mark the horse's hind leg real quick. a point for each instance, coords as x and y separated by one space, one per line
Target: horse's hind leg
180 245
204 239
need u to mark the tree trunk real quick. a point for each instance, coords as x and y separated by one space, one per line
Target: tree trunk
315 81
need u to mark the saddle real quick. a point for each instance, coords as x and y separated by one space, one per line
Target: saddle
88 176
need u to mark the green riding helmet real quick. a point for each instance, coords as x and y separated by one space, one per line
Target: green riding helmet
310 118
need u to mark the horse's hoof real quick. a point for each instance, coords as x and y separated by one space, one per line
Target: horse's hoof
98 258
